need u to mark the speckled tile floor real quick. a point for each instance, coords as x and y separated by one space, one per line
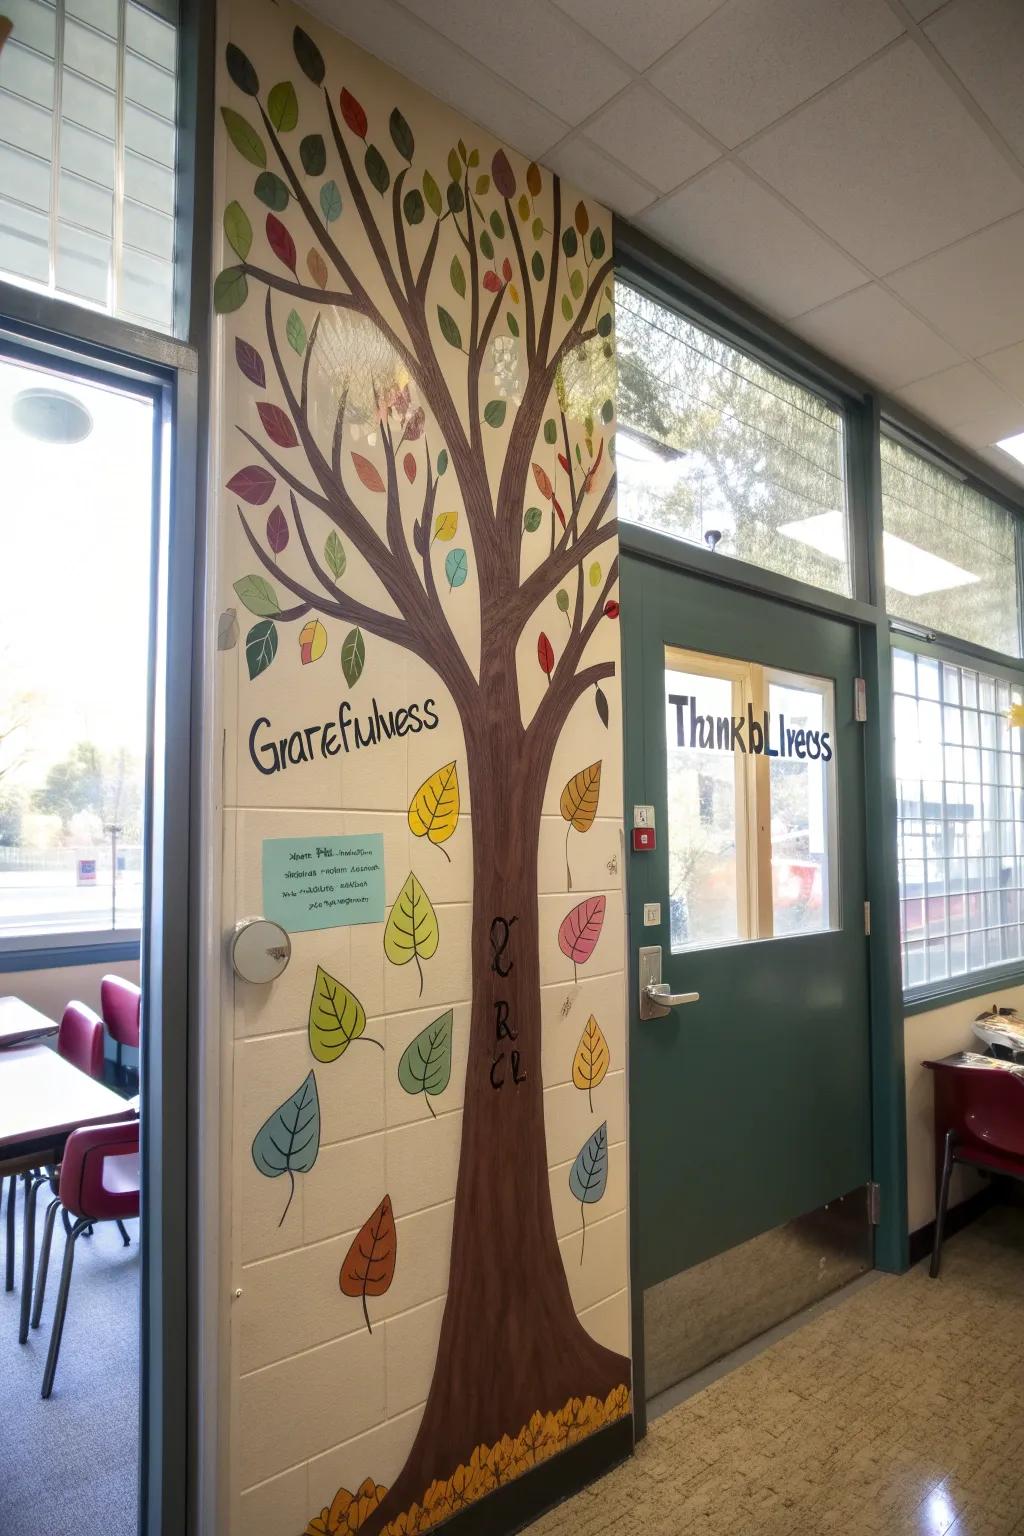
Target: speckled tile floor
901 1410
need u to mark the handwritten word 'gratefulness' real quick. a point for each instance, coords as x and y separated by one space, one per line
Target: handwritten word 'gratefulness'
349 733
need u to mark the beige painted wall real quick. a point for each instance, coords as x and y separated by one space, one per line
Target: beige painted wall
928 1036
49 989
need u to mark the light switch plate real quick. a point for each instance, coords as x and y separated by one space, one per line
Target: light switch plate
652 914
643 815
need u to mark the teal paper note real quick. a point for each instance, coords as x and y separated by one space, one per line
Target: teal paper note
323 882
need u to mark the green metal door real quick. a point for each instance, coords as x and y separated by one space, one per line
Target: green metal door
750 1107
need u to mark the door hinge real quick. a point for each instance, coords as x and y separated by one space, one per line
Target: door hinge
874 1203
860 699
867 919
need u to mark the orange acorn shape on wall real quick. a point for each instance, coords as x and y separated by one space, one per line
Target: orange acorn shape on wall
369 1265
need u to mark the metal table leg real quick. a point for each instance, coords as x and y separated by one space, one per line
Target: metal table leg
28 1257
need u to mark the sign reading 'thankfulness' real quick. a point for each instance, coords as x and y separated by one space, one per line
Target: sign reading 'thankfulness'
767 736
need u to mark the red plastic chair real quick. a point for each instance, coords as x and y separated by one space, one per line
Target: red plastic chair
121 1004
980 1110
80 1039
99 1181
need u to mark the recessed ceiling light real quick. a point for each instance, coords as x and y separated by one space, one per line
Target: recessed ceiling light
1014 446
908 568
51 416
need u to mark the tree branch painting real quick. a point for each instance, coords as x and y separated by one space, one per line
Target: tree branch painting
427 345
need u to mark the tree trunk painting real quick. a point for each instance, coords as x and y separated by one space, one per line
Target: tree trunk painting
427 281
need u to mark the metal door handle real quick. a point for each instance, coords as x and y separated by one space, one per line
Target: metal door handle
658 992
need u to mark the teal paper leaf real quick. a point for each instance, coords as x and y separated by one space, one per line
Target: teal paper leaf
288 1142
456 568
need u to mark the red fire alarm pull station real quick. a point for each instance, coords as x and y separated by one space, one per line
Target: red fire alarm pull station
643 839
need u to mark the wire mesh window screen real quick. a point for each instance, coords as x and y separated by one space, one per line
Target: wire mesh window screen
961 818
87 154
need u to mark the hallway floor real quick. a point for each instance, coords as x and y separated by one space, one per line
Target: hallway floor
901 1410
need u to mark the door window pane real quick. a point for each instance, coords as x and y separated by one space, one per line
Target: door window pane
949 553
715 448
752 848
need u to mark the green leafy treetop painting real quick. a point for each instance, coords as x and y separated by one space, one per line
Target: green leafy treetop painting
433 271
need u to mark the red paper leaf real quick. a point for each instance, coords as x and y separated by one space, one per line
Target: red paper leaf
277 424
277 531
368 473
581 929
545 654
543 483
611 609
409 465
369 1266
506 270
254 484
564 462
353 114
281 242
558 510
492 282
414 424
250 363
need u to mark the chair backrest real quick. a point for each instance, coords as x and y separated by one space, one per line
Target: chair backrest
80 1039
983 1105
120 1004
99 1172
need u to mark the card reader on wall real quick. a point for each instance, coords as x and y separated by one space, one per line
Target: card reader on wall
260 950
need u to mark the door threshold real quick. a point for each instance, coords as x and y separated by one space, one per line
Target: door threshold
709 1374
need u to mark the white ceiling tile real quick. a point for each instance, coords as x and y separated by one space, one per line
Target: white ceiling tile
919 9
973 291
592 173
640 129
993 425
399 40
728 224
957 395
754 60
983 42
535 47
1008 366
872 332
639 33
889 163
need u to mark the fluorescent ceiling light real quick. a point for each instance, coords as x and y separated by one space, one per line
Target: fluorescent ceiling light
1014 446
908 568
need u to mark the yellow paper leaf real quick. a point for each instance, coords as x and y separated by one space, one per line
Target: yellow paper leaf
590 1064
336 1018
312 641
411 932
580 796
434 811
444 528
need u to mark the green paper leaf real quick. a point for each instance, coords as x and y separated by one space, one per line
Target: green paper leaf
483 185
550 431
313 154
256 593
230 290
442 461
412 207
289 1140
537 265
456 568
237 229
597 245
487 245
425 1065
336 1017
241 70
334 554
449 329
537 228
607 411
456 197
458 277
376 169
296 332
271 190
454 166
604 325
353 656
494 412
562 599
260 647
566 307
570 244
330 201
401 135
576 283
532 519
411 931
310 59
497 224
594 574
244 137
432 193
283 106
513 324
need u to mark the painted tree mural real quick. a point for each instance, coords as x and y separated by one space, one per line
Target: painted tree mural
420 283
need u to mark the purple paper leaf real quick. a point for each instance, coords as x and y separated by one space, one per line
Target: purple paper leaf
277 531
253 483
250 362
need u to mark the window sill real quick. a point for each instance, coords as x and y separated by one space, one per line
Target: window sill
942 994
85 949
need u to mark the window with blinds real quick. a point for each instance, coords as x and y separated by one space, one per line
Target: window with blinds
87 153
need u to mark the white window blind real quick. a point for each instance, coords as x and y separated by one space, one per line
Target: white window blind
87 152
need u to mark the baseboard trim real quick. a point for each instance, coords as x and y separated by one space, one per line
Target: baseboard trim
957 1217
518 1503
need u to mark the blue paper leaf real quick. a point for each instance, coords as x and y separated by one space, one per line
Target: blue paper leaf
456 568
288 1142
588 1176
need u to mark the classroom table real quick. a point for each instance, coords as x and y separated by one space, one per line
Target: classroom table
20 1021
43 1098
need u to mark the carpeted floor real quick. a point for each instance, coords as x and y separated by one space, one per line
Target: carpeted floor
68 1466
900 1412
